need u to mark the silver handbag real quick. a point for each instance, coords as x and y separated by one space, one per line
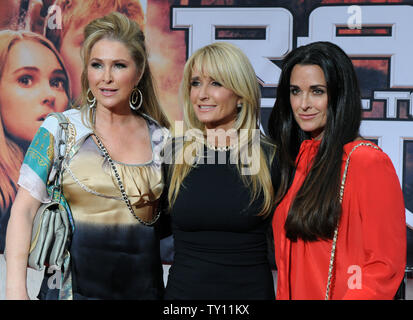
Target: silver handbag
50 235
51 226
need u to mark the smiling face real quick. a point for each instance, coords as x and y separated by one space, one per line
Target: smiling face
309 98
214 105
112 74
32 85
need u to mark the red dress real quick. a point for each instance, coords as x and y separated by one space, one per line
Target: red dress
371 245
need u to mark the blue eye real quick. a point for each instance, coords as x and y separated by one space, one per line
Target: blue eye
120 65
216 84
96 65
195 83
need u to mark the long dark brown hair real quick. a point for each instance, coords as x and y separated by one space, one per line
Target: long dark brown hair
316 209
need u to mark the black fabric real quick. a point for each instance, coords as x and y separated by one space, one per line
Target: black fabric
220 242
104 268
4 219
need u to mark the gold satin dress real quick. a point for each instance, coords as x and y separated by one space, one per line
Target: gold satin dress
114 256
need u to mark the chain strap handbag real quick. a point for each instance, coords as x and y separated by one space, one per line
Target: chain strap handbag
333 248
51 226
121 188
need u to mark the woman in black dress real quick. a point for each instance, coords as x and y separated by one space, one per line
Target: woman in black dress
221 193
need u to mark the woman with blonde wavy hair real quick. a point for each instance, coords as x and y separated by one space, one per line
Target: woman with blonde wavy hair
112 178
33 83
219 198
75 15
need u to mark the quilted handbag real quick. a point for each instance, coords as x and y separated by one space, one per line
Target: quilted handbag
51 227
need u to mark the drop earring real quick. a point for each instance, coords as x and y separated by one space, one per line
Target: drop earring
91 101
135 95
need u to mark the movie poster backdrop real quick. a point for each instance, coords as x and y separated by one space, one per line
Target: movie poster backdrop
375 34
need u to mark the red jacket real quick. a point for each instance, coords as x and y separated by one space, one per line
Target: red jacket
371 246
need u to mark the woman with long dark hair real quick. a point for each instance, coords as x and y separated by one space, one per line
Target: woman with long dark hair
349 248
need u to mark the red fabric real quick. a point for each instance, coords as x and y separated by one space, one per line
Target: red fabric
371 245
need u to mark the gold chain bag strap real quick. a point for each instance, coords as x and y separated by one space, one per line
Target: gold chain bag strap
121 188
51 226
333 249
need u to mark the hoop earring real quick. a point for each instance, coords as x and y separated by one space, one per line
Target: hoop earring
134 98
91 102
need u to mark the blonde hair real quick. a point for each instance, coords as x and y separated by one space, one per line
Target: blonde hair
78 12
228 65
11 155
116 26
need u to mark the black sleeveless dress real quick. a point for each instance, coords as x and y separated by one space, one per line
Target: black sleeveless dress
220 242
